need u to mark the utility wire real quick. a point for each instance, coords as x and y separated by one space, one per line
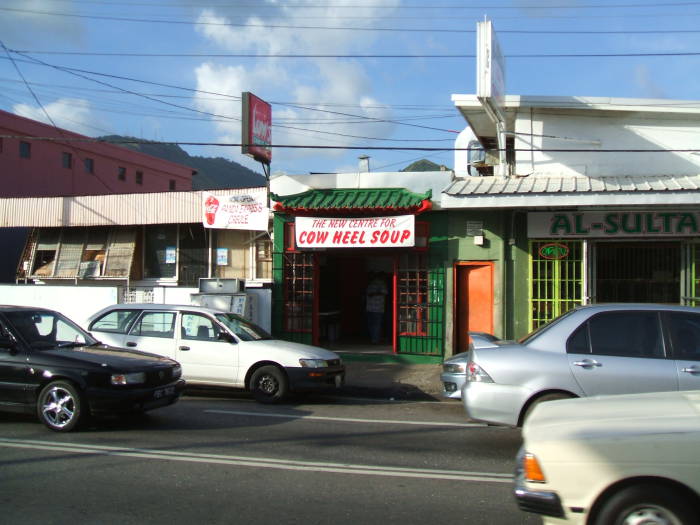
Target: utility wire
46 113
344 28
305 5
80 74
25 52
370 148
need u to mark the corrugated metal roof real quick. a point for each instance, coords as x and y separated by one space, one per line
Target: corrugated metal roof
532 191
540 184
345 200
102 210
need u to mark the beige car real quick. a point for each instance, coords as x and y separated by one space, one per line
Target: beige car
608 460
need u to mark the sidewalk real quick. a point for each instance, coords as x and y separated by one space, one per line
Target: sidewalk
393 381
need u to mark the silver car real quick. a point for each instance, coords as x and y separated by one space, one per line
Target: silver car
454 371
591 350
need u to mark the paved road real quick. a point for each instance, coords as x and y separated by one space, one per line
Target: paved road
219 457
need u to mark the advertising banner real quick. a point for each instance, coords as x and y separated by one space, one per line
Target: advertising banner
256 132
235 212
355 232
613 224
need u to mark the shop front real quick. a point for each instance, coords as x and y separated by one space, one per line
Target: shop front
608 255
360 269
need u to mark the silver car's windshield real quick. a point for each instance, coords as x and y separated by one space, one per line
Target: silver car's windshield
537 331
244 329
42 329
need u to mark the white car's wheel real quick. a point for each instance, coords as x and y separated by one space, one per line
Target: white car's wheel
648 504
269 384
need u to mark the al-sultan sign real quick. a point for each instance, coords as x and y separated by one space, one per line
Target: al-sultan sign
355 232
613 224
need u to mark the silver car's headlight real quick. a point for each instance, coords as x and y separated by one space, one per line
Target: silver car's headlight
454 368
476 374
136 378
313 363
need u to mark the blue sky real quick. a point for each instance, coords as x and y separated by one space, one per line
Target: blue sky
83 60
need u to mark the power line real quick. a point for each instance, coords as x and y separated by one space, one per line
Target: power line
363 147
369 119
24 52
396 7
345 28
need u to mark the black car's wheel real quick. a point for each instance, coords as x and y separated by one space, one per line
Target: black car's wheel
269 384
60 406
647 503
543 399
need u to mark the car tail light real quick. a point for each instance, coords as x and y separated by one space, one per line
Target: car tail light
476 374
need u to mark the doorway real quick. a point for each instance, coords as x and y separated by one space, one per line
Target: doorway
637 272
342 313
473 301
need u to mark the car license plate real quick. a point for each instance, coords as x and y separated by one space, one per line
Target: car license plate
338 381
164 392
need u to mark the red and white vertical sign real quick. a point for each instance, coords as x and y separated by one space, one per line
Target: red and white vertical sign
256 131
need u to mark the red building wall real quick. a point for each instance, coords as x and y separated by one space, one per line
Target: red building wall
43 173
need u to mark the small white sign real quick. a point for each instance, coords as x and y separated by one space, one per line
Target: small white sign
355 232
247 211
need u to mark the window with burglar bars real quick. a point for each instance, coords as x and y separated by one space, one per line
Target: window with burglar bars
298 291
693 268
419 302
556 284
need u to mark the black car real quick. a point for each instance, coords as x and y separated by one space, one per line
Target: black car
49 365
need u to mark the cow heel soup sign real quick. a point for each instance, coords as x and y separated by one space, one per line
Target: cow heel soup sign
366 232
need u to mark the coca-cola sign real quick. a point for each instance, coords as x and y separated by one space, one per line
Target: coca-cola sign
256 132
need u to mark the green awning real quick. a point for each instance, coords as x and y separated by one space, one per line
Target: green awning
368 201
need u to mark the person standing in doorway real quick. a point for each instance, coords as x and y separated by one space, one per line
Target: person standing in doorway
376 297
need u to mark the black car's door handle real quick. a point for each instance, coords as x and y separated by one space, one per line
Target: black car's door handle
131 344
183 348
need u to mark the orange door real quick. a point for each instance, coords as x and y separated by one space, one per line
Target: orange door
473 300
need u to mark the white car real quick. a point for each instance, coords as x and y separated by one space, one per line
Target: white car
622 459
219 348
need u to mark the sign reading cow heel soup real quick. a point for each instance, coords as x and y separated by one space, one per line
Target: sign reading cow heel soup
356 232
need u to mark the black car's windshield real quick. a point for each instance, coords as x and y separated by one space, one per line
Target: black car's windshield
45 329
244 329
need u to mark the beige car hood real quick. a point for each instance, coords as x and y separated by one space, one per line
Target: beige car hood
615 416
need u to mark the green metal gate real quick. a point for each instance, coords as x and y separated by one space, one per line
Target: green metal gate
556 279
420 298
692 297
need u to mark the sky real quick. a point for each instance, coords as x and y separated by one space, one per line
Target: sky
345 78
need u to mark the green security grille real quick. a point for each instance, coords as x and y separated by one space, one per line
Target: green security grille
556 283
694 273
420 297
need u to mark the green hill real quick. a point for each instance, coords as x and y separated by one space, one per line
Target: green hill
424 165
212 172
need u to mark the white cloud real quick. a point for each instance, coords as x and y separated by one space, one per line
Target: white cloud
67 113
19 28
308 82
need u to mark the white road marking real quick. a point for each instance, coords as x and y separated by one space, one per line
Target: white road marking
242 461
347 419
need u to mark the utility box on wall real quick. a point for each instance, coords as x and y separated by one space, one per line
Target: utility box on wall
223 286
